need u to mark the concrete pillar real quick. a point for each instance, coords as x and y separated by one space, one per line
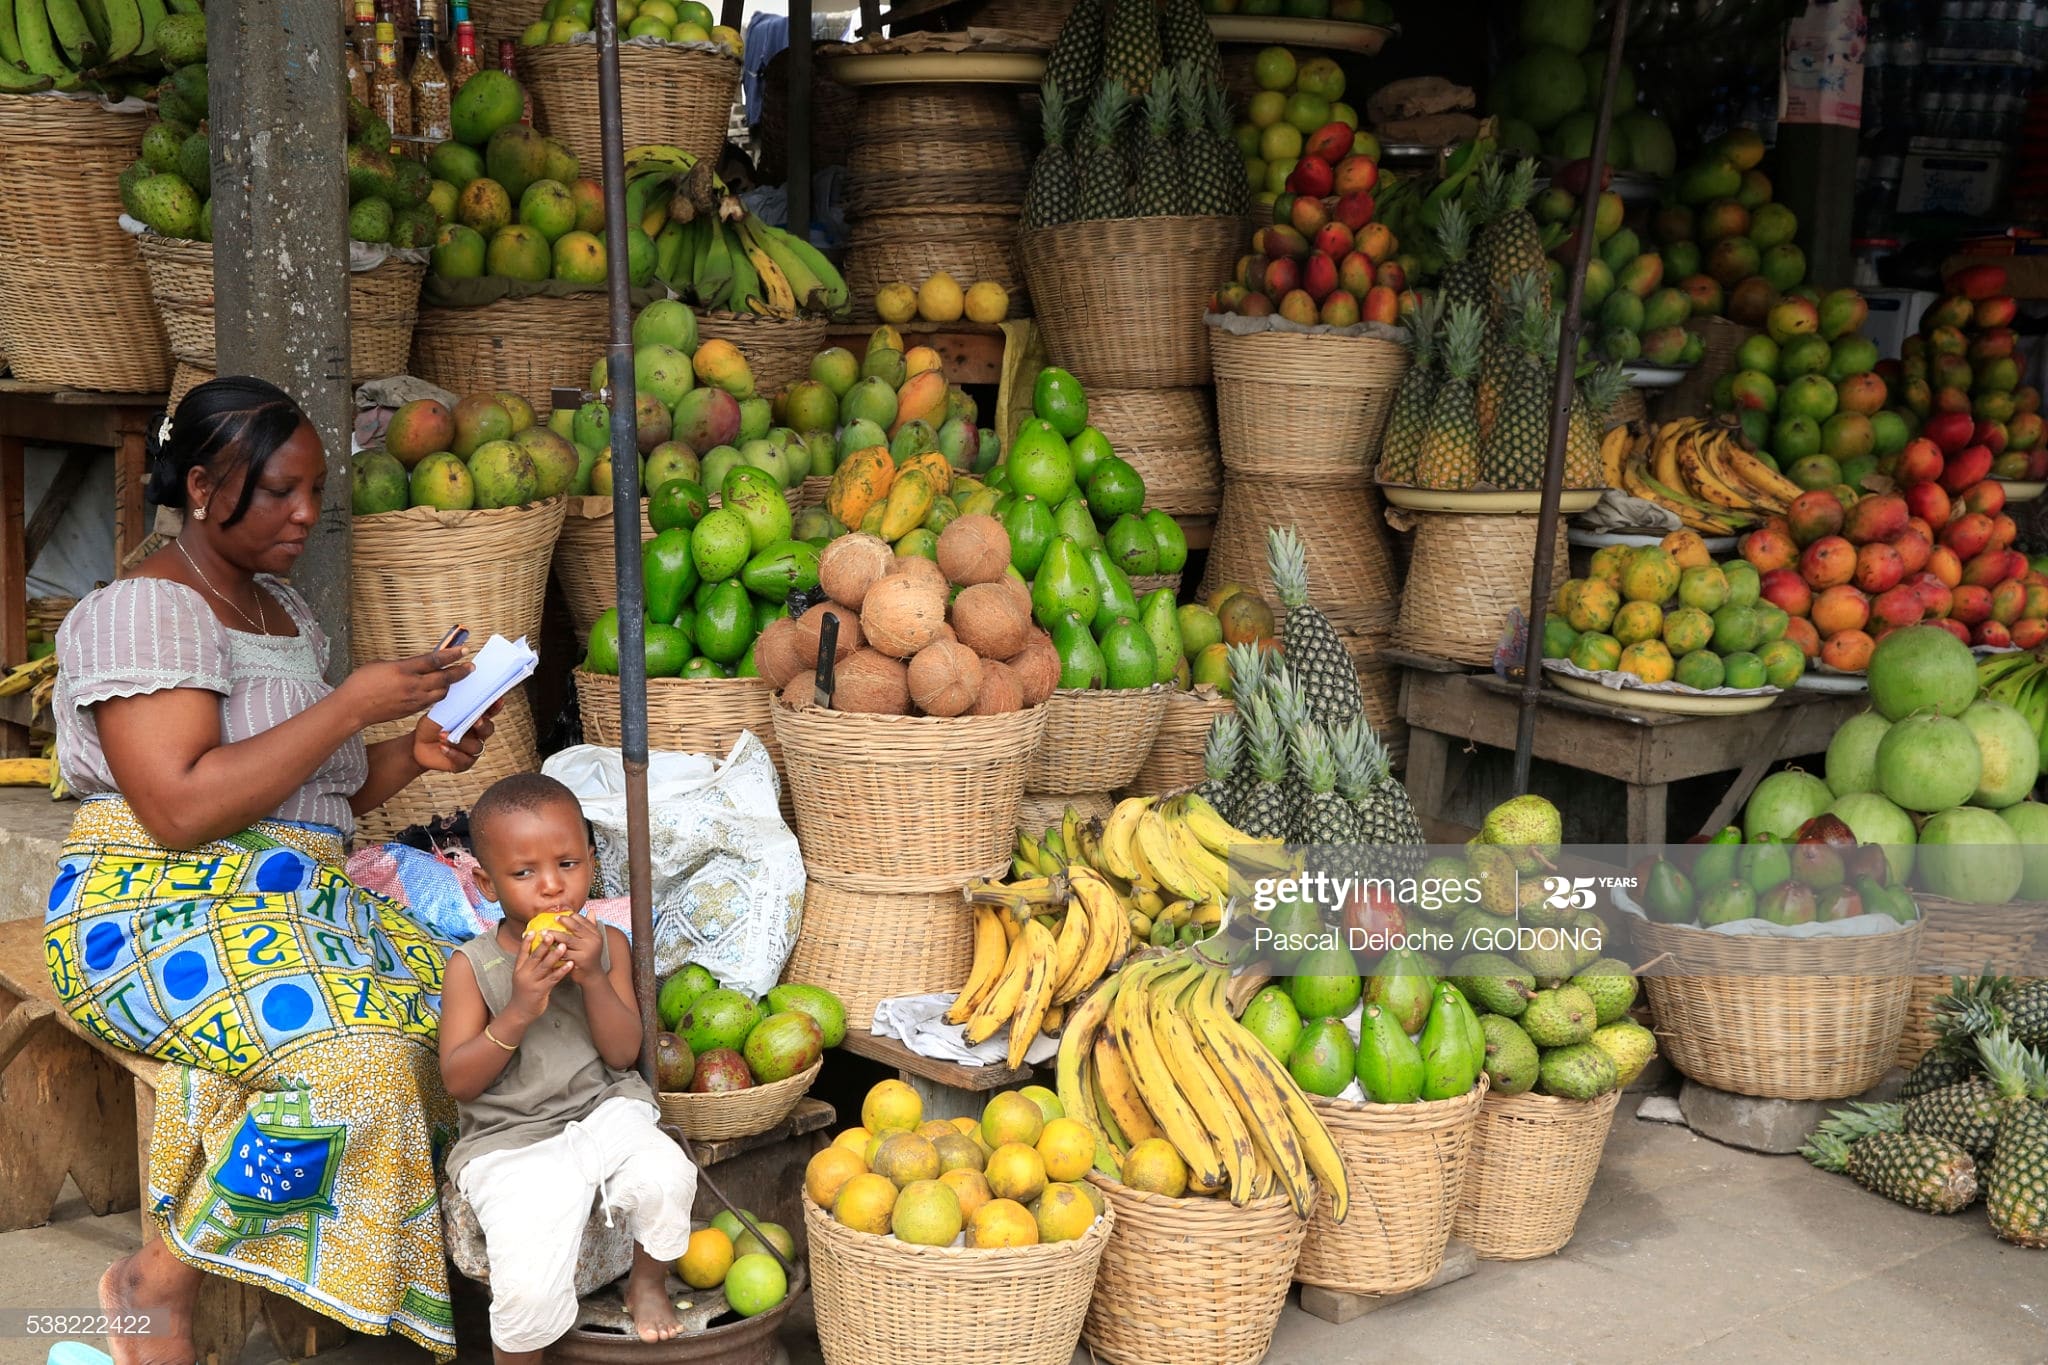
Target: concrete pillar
276 88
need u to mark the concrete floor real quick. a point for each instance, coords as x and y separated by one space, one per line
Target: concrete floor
1688 1250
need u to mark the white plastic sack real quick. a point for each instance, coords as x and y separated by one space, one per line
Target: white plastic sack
728 878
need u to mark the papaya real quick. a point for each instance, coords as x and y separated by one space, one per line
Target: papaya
909 503
936 467
861 481
871 523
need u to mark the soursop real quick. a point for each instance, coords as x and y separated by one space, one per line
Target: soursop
1579 1072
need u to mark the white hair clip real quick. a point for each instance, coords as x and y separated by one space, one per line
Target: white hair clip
163 431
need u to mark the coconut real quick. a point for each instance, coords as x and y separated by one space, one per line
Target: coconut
1018 589
903 614
974 550
777 655
918 569
1000 691
945 679
872 683
989 622
811 622
850 565
799 692
1037 667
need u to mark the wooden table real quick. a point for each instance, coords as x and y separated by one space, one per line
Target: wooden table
948 1089
1646 751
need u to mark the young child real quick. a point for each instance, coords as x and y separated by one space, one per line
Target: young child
537 1046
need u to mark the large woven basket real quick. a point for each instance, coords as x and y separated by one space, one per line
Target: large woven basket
777 350
1465 574
1777 1017
970 242
586 565
1191 1280
1036 19
684 715
1291 404
905 803
526 345
1367 633
1095 741
1405 1164
737 1113
1968 940
513 748
1342 537
869 946
918 147
1120 301
680 96
1045 810
74 301
878 1299
415 573
383 305
184 379
1176 757
1169 437
1532 1165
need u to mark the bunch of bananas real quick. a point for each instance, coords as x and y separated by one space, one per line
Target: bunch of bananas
35 771
1696 469
1156 915
67 44
1153 1052
2020 680
716 254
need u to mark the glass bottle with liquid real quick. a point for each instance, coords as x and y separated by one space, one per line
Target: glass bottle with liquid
465 63
510 67
362 50
431 93
390 98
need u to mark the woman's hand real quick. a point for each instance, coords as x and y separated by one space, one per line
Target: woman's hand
583 942
432 750
403 687
535 974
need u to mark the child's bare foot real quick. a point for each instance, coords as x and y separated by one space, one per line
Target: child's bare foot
647 1301
143 1283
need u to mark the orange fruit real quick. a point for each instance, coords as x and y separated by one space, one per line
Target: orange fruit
891 1104
827 1172
927 1214
1002 1223
1154 1167
967 1126
957 1153
875 1141
706 1259
1063 1213
1015 1171
906 1159
865 1202
931 1130
969 1188
1010 1117
1067 1148
854 1140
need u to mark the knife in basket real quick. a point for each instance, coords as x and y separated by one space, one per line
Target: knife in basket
828 657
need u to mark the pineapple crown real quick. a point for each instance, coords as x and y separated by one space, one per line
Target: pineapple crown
1527 317
1491 200
1453 231
1425 327
1860 1121
1247 670
1521 185
2015 1071
1052 107
1362 760
1159 104
1828 1151
1220 750
1190 99
1268 744
1312 756
1218 111
1285 693
1287 561
1603 387
1106 114
1462 335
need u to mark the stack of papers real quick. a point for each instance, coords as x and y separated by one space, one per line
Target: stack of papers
501 665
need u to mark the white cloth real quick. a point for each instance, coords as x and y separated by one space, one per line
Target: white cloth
918 1022
532 1203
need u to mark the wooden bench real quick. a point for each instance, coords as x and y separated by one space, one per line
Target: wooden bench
948 1089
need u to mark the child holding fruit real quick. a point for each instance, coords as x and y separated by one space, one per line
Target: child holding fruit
539 1032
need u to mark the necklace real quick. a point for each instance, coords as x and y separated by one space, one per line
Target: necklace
261 620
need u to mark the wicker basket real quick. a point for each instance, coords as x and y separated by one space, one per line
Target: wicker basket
74 301
1405 1164
679 96
970 242
737 1113
1036 19
526 345
1367 635
513 748
1693 396
1967 940
1292 404
684 715
1627 408
1045 810
869 946
383 305
184 379
586 566
1532 1165
415 573
1175 760
497 19
1465 574
777 350
1342 535
1095 741
1778 1017
942 793
878 1299
1191 1280
1120 302
1168 436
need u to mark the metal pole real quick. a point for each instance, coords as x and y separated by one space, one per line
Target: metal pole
799 151
626 529
1561 416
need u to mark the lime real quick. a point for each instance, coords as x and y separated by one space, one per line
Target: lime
1115 490
1089 449
1040 464
1057 397
678 502
755 1284
720 545
725 621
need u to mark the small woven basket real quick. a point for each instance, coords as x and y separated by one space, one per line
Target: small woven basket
1968 940
586 566
1291 404
1342 537
1176 757
943 793
1777 1017
1532 1165
526 345
778 350
1191 1280
1405 1164
1169 437
1465 574
970 242
679 96
736 1113
1120 301
1037 19
869 946
74 301
1095 741
878 1299
383 306
513 748
414 573
1693 396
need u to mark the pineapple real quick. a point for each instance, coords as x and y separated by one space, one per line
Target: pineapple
1158 183
1449 457
1130 44
1497 355
1247 665
1464 277
1105 187
1290 709
2026 1008
1053 197
1324 818
1511 244
1215 170
1965 1114
1591 403
1185 40
1262 813
1938 1070
2016 1180
1075 62
1409 416
1517 436
1913 1169
1386 817
1319 661
1247 680
1219 763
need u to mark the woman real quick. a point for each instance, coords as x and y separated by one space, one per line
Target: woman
200 915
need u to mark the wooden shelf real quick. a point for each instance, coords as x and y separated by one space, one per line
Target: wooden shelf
890 1052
